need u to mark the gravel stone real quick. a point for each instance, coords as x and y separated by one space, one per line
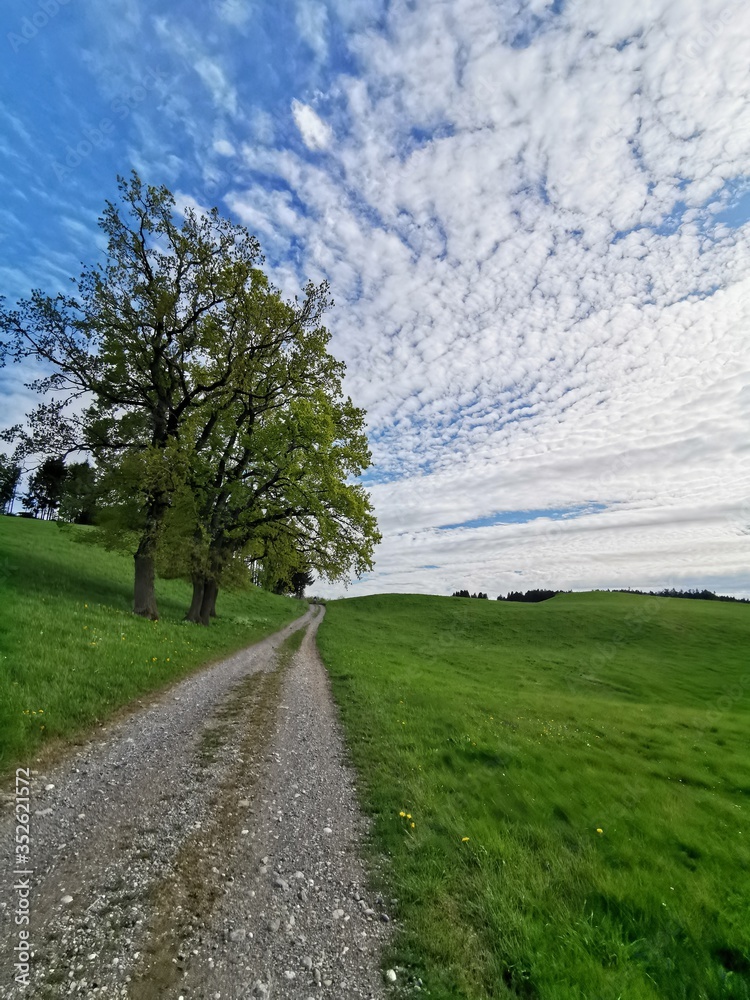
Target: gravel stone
172 812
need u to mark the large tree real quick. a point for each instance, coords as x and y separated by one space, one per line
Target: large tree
281 488
164 364
275 474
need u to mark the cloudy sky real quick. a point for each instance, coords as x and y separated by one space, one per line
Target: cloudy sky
535 217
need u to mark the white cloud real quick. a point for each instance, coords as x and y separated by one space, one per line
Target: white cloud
312 23
263 126
316 134
222 91
224 148
535 326
234 12
536 304
183 202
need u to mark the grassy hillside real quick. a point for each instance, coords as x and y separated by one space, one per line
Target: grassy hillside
563 789
70 650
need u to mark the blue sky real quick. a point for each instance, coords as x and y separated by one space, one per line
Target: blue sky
535 217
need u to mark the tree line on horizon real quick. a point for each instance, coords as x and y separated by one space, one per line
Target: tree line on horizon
218 442
529 596
690 595
536 596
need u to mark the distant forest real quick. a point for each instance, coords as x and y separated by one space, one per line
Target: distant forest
530 597
693 595
535 596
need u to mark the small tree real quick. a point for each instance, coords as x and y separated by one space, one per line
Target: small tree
78 500
301 580
45 488
10 474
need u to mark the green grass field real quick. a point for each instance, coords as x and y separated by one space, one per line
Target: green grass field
71 653
562 790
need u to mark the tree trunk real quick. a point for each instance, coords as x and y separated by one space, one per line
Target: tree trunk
194 611
144 594
208 607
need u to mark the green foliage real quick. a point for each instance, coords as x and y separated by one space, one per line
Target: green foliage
141 332
273 477
10 474
300 581
217 409
45 488
78 500
593 749
71 653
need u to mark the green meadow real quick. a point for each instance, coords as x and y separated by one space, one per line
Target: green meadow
71 652
561 790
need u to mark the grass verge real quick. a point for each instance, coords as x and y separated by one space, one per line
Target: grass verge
562 789
71 652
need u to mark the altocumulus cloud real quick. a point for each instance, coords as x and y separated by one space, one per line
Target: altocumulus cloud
316 134
534 218
531 222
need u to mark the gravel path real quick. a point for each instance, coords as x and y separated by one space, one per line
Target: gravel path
206 846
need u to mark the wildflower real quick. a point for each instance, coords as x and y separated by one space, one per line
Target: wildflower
402 813
408 815
464 840
153 659
599 830
413 825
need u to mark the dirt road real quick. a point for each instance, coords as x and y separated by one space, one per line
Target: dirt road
207 846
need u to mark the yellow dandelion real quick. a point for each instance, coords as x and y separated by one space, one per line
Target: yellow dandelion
153 659
599 830
413 825
464 840
408 815
402 813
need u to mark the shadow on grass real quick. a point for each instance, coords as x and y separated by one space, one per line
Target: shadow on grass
87 579
41 576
